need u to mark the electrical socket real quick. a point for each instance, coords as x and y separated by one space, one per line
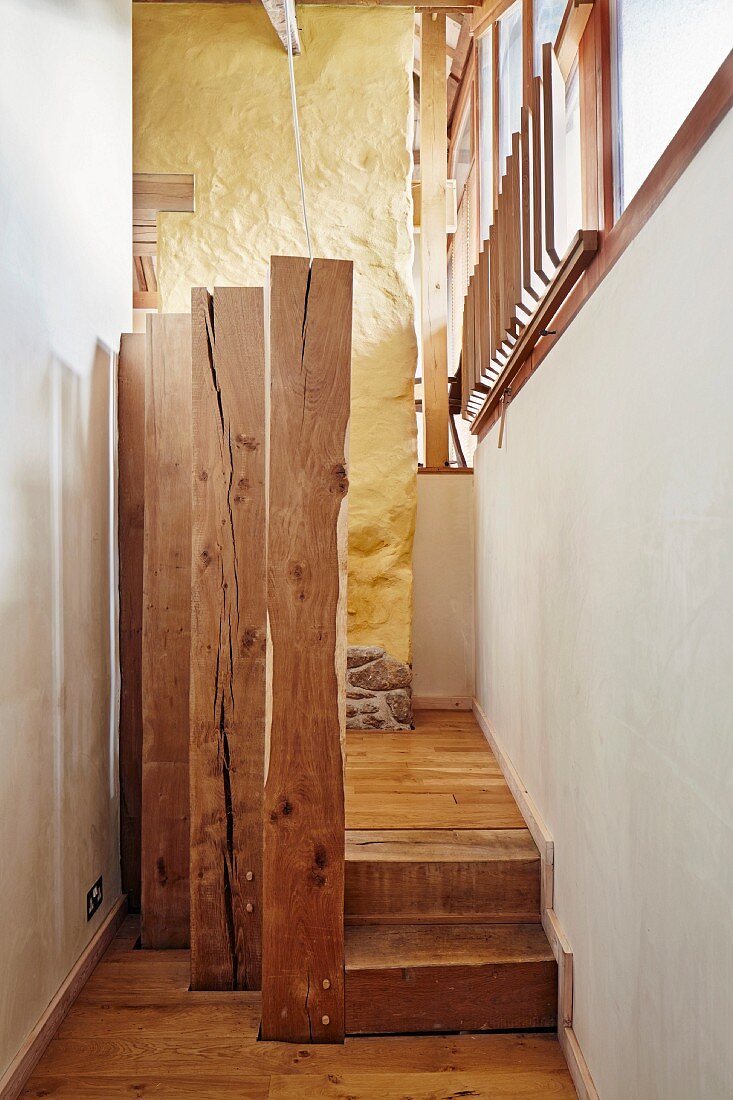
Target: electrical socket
94 898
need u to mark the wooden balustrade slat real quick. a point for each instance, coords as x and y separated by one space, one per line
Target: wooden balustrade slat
536 124
526 189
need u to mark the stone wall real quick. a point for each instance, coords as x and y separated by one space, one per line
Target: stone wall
378 690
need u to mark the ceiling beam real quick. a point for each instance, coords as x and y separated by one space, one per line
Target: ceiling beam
282 16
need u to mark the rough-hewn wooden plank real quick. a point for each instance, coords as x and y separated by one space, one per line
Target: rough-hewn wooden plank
131 533
166 631
443 876
466 978
310 362
228 637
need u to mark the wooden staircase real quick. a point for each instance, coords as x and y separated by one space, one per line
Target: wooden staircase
443 927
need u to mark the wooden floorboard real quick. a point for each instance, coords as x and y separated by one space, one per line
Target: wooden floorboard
441 775
136 1031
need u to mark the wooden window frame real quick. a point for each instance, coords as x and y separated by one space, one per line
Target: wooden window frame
598 166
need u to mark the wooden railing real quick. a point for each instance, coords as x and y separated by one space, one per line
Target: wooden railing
525 269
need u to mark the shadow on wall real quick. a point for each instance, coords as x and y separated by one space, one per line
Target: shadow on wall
58 677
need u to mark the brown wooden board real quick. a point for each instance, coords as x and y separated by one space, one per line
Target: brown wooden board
418 978
537 184
228 637
166 631
310 365
131 523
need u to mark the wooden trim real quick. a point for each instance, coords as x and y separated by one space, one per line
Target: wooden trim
487 13
16 1075
554 931
579 255
442 702
570 32
535 824
145 299
495 115
445 469
527 51
705 116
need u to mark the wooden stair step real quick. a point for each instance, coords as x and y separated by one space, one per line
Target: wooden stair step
438 978
462 876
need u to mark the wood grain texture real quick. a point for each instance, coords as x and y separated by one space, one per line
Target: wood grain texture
433 161
22 1065
131 541
141 1032
166 631
442 876
463 978
310 363
228 637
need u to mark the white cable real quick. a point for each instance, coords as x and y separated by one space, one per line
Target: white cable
296 125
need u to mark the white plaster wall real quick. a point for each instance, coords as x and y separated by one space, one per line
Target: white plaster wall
65 296
605 640
442 563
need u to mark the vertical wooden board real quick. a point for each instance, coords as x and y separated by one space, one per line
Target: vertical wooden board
553 143
516 231
484 355
303 944
228 637
537 181
526 190
433 168
477 322
494 287
131 522
166 631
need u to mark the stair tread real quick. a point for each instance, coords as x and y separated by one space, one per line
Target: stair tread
372 947
439 845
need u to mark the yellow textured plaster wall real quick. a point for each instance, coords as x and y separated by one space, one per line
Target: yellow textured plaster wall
211 96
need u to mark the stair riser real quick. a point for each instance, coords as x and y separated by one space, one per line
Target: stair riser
485 892
495 997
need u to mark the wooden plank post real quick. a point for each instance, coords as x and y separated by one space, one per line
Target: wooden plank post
166 631
303 905
228 637
434 274
131 523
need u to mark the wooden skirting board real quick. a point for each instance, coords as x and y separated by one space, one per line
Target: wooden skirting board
553 929
14 1079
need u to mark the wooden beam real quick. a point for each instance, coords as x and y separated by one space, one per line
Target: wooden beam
228 637
310 364
281 14
166 631
574 21
440 5
433 168
131 532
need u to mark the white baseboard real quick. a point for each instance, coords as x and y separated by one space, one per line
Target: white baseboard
553 929
442 702
15 1077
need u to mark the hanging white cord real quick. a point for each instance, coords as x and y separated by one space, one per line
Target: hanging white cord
296 126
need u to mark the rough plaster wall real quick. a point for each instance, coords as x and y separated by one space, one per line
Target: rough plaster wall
443 566
65 296
212 97
604 644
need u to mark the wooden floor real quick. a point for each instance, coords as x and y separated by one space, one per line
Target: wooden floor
137 1031
441 775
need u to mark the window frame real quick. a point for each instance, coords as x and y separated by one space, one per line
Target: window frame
600 167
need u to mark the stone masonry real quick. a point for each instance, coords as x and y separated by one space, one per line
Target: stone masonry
378 690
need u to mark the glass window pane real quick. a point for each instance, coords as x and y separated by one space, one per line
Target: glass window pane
668 51
486 131
547 16
510 80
